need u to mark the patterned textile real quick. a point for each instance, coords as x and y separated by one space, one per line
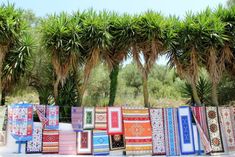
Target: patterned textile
20 121
52 114
50 141
138 132
35 145
116 142
214 129
89 118
115 120
41 111
101 118
226 122
100 143
185 130
3 136
84 142
158 135
77 118
200 114
67 144
171 132
197 142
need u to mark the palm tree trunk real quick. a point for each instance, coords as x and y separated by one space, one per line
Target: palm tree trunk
56 92
214 96
3 50
3 97
195 95
113 84
145 90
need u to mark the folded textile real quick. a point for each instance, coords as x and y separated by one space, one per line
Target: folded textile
67 142
50 141
52 114
77 118
158 135
171 132
137 131
100 142
41 112
35 145
84 144
101 118
115 120
89 118
185 130
197 142
116 142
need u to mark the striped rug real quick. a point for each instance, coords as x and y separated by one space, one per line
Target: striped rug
137 131
115 120
84 144
101 118
171 132
67 142
89 118
50 141
77 118
100 142
158 135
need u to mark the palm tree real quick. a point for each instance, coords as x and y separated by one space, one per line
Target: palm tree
61 37
148 43
12 26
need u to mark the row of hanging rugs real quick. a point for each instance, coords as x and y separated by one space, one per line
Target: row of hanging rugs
135 131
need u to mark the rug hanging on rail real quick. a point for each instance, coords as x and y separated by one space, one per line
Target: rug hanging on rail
137 131
227 125
67 142
115 120
41 111
185 130
214 129
116 142
35 145
50 141
84 142
77 118
171 132
89 118
197 142
101 118
100 142
158 135
52 114
20 121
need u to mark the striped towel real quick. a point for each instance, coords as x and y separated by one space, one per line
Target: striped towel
67 144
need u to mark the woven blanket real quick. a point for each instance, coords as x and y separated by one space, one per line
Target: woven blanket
115 120
20 121
197 142
89 118
84 142
214 129
185 131
67 144
226 124
116 142
101 118
137 131
77 118
35 145
171 132
100 142
41 111
158 135
50 141
3 138
52 114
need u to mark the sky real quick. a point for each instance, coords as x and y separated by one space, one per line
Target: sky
166 7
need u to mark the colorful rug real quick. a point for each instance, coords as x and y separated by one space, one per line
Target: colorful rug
35 145
52 114
158 135
227 125
101 118
67 144
214 129
77 118
3 138
50 141
115 120
100 142
41 112
89 118
185 130
197 142
171 132
137 131
116 142
84 142
20 121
